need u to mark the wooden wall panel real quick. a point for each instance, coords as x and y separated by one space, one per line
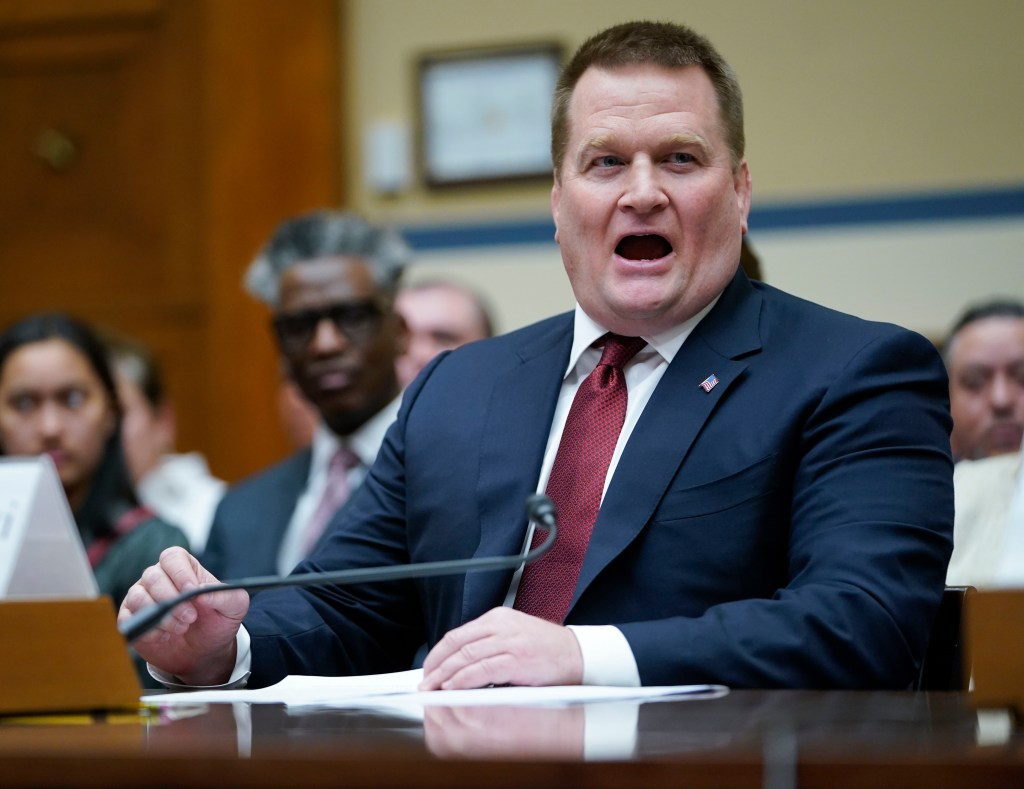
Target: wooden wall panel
286 109
147 148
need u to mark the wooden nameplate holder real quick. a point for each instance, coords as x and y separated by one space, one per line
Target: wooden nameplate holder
995 644
64 656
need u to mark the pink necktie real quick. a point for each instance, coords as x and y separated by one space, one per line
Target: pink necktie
577 480
335 494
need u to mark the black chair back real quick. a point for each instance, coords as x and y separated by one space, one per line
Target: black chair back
942 668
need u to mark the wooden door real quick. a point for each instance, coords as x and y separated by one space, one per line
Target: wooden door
147 149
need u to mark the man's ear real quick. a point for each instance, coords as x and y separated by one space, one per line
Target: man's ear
555 197
744 188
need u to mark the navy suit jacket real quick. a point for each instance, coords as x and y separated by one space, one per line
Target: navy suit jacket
789 528
252 518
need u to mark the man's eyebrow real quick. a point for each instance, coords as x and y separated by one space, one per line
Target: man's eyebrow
600 141
688 138
594 143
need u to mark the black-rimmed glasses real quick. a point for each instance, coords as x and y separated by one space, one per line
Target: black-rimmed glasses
358 321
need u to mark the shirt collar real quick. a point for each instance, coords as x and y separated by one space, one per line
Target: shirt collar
666 344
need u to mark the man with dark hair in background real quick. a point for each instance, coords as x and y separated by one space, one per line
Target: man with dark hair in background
330 280
752 490
984 355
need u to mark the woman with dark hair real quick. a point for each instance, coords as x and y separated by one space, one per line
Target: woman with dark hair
58 398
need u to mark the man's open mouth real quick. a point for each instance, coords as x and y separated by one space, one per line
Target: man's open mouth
645 247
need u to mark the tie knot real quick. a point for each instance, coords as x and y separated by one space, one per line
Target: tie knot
618 350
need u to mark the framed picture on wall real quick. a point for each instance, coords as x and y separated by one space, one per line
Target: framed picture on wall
485 115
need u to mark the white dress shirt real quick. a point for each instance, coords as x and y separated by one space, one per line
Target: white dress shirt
365 442
984 492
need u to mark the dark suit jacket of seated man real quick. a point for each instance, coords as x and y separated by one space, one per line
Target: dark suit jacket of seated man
789 528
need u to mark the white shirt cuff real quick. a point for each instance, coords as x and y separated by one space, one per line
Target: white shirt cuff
239 676
607 657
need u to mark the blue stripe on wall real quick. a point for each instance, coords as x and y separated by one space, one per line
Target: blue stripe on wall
536 231
988 204
997 203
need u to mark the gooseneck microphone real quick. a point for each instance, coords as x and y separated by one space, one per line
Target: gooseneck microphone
539 509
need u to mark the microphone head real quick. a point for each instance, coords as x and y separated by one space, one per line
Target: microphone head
541 509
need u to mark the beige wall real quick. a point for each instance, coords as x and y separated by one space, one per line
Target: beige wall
844 98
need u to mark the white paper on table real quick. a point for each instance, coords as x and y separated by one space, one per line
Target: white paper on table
398 690
298 689
412 704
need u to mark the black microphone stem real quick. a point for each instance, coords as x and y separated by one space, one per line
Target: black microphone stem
540 511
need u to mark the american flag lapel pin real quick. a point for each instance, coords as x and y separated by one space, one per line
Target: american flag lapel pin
709 383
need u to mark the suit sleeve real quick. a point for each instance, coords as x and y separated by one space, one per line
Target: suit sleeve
213 558
870 513
351 629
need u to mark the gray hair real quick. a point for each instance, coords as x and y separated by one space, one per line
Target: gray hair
327 234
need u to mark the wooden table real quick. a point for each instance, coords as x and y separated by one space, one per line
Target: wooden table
772 739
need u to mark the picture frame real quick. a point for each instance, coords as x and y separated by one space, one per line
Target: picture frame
485 114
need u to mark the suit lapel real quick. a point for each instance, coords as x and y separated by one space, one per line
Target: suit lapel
671 421
278 506
291 485
513 442
270 510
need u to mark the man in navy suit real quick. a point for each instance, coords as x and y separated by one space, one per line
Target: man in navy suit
330 279
778 505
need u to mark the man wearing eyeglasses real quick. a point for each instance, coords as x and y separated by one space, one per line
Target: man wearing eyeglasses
330 280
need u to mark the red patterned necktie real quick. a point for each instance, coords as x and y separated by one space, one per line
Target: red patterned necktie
336 492
577 480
